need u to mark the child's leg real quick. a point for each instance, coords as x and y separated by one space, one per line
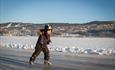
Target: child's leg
46 53
46 56
35 53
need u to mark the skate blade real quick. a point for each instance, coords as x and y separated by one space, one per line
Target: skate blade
31 63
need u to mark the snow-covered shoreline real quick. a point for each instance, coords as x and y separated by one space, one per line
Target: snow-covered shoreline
98 46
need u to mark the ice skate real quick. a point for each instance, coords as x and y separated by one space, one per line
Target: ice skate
47 63
31 62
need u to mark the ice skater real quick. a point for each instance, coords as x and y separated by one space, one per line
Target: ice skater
41 45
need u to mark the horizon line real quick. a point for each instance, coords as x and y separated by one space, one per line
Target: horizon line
58 22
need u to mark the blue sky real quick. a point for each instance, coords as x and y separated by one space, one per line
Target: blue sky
68 11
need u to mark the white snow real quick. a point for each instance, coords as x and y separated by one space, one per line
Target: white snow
17 25
97 46
9 25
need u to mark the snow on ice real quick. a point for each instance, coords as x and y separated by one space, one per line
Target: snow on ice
97 46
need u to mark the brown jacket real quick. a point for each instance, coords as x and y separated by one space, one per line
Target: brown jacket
43 40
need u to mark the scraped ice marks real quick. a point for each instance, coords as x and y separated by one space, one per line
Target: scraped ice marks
19 46
64 49
67 49
99 51
76 50
13 45
71 49
106 52
87 51
91 51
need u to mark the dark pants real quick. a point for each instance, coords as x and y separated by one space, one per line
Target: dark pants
37 51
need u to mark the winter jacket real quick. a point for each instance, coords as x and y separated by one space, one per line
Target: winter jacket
43 40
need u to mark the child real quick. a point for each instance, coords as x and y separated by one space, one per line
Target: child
41 45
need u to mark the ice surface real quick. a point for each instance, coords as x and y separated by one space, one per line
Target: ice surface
17 59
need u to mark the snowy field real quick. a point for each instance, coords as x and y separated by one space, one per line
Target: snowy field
97 46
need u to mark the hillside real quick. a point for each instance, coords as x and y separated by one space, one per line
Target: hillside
90 29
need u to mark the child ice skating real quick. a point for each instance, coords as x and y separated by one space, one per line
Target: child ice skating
41 45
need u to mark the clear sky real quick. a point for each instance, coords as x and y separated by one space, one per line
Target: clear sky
68 11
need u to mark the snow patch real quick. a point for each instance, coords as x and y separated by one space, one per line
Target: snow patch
17 25
72 50
96 46
9 25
